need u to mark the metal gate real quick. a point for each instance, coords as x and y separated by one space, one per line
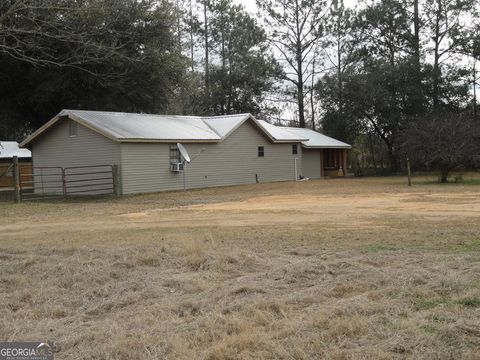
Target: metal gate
89 180
44 182
57 182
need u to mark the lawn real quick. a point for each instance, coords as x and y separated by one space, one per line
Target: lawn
329 269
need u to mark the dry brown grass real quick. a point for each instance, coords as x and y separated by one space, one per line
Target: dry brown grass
333 269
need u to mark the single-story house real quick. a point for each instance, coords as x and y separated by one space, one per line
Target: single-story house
225 150
9 149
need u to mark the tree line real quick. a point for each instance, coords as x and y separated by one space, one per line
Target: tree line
377 75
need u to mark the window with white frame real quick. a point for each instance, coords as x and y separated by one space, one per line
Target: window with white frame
175 156
261 151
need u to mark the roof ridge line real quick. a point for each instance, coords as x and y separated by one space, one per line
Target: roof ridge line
199 117
140 114
245 117
223 116
211 128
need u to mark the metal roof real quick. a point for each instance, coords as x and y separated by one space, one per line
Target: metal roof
317 140
9 149
281 133
309 138
129 127
126 126
224 125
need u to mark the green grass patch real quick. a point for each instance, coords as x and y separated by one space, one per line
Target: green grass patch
471 182
469 178
467 247
473 302
429 329
421 303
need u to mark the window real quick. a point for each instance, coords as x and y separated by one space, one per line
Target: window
294 149
72 128
261 151
174 154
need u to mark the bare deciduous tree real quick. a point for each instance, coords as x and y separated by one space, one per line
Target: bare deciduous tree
443 141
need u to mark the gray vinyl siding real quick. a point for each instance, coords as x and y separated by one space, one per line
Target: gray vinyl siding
57 148
146 166
311 163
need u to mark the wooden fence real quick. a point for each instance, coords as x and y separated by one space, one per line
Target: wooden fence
6 174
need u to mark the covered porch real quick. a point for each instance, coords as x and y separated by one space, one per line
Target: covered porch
333 162
324 162
322 155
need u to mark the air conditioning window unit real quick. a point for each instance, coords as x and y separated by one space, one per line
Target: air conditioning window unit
177 167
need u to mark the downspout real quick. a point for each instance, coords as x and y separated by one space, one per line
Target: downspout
295 166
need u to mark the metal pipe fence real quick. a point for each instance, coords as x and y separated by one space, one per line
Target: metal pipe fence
57 182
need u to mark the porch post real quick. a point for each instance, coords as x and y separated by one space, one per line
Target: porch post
322 168
339 161
16 180
344 162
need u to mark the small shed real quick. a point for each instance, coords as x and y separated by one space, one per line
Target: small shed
9 149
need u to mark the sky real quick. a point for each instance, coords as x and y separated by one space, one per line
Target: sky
250 5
